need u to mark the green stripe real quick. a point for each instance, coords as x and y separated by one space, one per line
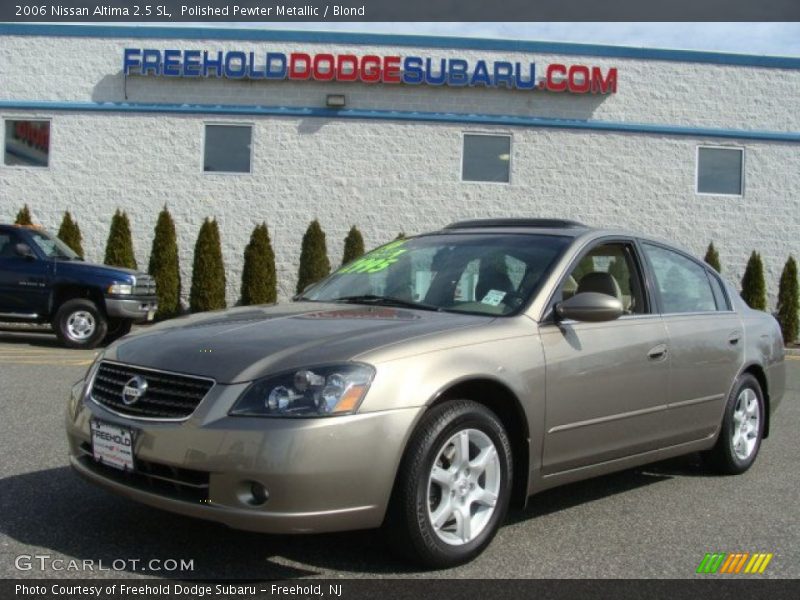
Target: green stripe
711 562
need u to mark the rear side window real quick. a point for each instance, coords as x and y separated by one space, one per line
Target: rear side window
720 296
683 284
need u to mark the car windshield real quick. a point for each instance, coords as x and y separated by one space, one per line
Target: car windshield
52 246
490 274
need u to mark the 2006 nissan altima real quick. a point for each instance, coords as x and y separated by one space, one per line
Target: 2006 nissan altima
432 382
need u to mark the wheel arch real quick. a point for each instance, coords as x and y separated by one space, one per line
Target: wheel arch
502 401
64 292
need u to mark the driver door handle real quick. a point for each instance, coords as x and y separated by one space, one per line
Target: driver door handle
657 352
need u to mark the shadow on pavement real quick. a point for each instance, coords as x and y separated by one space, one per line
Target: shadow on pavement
55 510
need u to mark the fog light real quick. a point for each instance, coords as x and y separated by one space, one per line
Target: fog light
259 493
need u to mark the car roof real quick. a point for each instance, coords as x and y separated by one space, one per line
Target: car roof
548 226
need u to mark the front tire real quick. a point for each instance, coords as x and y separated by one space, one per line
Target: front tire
80 324
117 328
742 428
454 485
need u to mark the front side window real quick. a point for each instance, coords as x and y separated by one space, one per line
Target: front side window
719 170
469 273
682 283
227 148
27 143
486 158
608 269
52 247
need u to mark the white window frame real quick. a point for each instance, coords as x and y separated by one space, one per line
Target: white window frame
697 191
507 134
252 127
6 119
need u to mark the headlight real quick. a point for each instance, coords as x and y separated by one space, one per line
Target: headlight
120 289
313 392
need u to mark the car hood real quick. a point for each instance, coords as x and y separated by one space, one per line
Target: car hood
79 268
246 343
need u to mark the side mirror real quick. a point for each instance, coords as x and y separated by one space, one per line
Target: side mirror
589 306
24 251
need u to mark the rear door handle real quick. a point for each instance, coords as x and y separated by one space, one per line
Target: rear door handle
734 337
658 352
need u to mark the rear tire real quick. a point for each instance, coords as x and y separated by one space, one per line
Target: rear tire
453 487
80 324
742 429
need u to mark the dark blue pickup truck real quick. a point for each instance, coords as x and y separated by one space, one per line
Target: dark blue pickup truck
43 281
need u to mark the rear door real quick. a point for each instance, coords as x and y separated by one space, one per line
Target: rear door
705 339
606 383
24 290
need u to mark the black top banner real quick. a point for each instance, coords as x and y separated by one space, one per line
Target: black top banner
166 11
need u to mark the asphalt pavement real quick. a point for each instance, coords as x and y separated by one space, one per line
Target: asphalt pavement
657 521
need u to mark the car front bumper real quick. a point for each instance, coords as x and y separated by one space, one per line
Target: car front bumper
137 308
321 474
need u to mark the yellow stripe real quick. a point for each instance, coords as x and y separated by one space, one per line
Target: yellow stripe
767 558
753 561
759 558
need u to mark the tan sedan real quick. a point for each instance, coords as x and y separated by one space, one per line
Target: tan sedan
427 385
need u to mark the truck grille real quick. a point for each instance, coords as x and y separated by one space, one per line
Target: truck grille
168 396
145 286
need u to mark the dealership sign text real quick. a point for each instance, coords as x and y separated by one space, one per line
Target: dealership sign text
413 70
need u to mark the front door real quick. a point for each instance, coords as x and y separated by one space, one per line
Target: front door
606 383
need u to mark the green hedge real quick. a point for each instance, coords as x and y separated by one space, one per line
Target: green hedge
208 271
754 290
70 234
119 247
259 285
314 263
788 302
164 266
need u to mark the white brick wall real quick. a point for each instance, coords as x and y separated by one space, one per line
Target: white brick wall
390 176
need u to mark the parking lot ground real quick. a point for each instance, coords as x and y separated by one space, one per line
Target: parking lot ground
656 521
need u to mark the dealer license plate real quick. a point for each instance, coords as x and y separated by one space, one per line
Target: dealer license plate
112 445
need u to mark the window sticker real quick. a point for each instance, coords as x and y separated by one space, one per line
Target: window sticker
377 260
493 297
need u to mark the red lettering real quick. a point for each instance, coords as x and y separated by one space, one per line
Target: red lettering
370 68
346 67
320 73
391 69
605 85
578 79
553 84
295 60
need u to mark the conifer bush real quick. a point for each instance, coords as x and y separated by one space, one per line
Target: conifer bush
208 271
314 263
119 247
712 258
754 289
259 285
70 234
164 266
24 216
789 302
353 245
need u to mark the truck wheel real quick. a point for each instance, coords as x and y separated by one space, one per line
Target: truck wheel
79 324
117 328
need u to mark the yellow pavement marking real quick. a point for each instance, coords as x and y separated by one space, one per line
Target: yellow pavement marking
792 357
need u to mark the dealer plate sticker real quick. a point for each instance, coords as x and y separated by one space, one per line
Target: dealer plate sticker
112 445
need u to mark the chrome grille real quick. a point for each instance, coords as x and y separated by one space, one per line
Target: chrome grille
145 286
169 396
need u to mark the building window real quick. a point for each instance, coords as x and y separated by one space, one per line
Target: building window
27 143
720 170
227 148
486 158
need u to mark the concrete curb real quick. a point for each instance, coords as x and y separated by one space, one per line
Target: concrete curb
792 351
